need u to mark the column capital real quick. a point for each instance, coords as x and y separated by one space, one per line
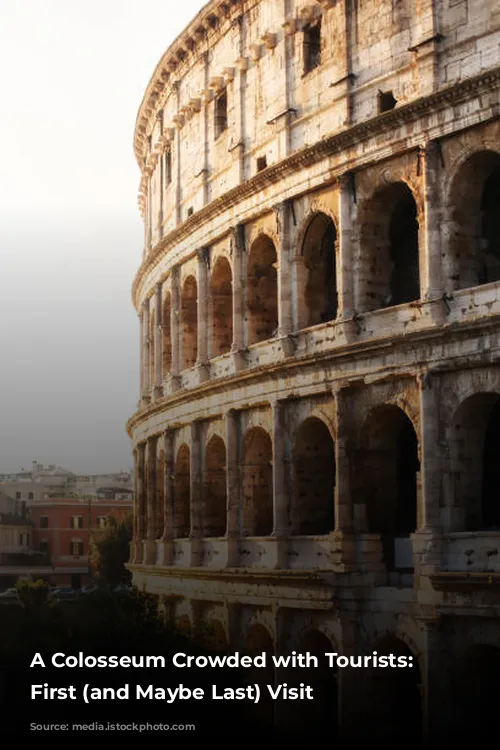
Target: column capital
203 255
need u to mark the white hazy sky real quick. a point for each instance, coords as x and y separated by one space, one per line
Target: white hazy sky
72 76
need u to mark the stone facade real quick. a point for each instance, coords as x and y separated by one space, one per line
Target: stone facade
317 437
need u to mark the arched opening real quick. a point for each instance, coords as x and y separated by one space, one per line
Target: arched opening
475 451
476 692
392 709
160 495
189 322
319 258
182 501
167 341
184 625
262 291
214 506
257 642
216 637
257 483
473 222
313 507
221 299
318 717
389 246
389 481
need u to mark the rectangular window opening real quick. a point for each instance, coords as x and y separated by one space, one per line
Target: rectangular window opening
312 46
386 101
220 114
261 163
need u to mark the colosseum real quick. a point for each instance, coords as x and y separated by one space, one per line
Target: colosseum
317 441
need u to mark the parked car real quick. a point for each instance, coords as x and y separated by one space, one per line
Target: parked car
89 589
122 588
9 594
64 593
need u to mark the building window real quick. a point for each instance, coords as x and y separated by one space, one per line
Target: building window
386 101
44 522
102 522
44 546
18 495
30 496
220 114
312 46
76 522
76 548
261 163
168 168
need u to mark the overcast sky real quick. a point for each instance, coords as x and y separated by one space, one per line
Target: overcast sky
73 73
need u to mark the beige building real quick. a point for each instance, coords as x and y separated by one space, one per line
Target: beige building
318 433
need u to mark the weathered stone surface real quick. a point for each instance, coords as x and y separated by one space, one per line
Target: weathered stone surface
320 299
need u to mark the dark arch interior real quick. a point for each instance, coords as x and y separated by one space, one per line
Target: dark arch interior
313 509
262 291
189 318
389 469
476 692
403 232
490 228
475 446
259 641
214 506
257 483
221 295
473 253
390 248
182 499
318 250
394 700
490 499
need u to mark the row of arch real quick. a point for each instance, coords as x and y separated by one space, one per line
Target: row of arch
384 468
390 703
312 506
386 274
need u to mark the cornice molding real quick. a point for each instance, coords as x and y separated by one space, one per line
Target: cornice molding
372 347
310 155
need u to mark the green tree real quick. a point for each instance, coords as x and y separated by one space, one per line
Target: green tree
32 594
111 550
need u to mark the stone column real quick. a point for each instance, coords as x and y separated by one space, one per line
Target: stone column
146 352
202 309
176 173
280 485
168 497
150 556
283 211
161 180
239 89
158 333
141 352
135 535
175 321
196 479
238 244
233 437
343 535
140 504
345 254
149 235
429 236
427 544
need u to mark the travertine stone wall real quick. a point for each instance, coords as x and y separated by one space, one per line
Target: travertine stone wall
318 428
